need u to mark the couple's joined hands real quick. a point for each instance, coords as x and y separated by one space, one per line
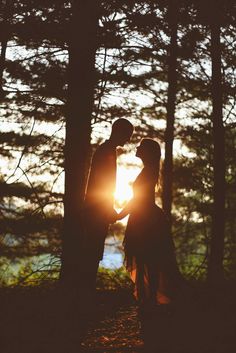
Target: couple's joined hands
115 216
123 213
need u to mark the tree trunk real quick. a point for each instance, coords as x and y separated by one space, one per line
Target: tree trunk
215 265
169 132
4 39
81 82
2 66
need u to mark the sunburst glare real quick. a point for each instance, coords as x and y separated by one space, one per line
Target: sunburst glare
124 191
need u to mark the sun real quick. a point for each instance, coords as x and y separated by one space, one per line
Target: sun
124 191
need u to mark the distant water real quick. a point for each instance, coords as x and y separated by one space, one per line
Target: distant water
112 257
111 261
13 270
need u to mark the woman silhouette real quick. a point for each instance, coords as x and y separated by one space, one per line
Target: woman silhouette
148 246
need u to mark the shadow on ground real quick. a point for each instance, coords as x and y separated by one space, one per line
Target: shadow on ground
43 320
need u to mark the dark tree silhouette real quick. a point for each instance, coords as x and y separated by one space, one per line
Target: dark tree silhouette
171 101
4 39
2 64
82 49
215 270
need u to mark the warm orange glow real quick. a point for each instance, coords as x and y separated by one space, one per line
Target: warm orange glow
124 191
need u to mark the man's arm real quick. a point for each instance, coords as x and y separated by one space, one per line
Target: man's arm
126 210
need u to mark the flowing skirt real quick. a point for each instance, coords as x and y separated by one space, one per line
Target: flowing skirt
149 255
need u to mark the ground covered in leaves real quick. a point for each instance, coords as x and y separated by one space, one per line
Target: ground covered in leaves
43 320
117 332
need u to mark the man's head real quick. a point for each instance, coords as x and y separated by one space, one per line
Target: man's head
121 131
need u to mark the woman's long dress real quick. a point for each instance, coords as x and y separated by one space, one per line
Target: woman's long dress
148 246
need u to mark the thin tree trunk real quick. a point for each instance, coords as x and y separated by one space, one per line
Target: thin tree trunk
81 81
169 132
215 269
4 39
2 66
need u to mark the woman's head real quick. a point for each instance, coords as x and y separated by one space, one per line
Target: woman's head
149 152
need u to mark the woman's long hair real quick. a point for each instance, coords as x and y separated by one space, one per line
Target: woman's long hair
152 156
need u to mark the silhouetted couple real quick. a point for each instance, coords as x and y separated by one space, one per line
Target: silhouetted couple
148 247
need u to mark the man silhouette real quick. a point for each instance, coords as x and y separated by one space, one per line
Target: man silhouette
99 199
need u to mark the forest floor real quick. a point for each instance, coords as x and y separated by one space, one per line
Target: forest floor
37 320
